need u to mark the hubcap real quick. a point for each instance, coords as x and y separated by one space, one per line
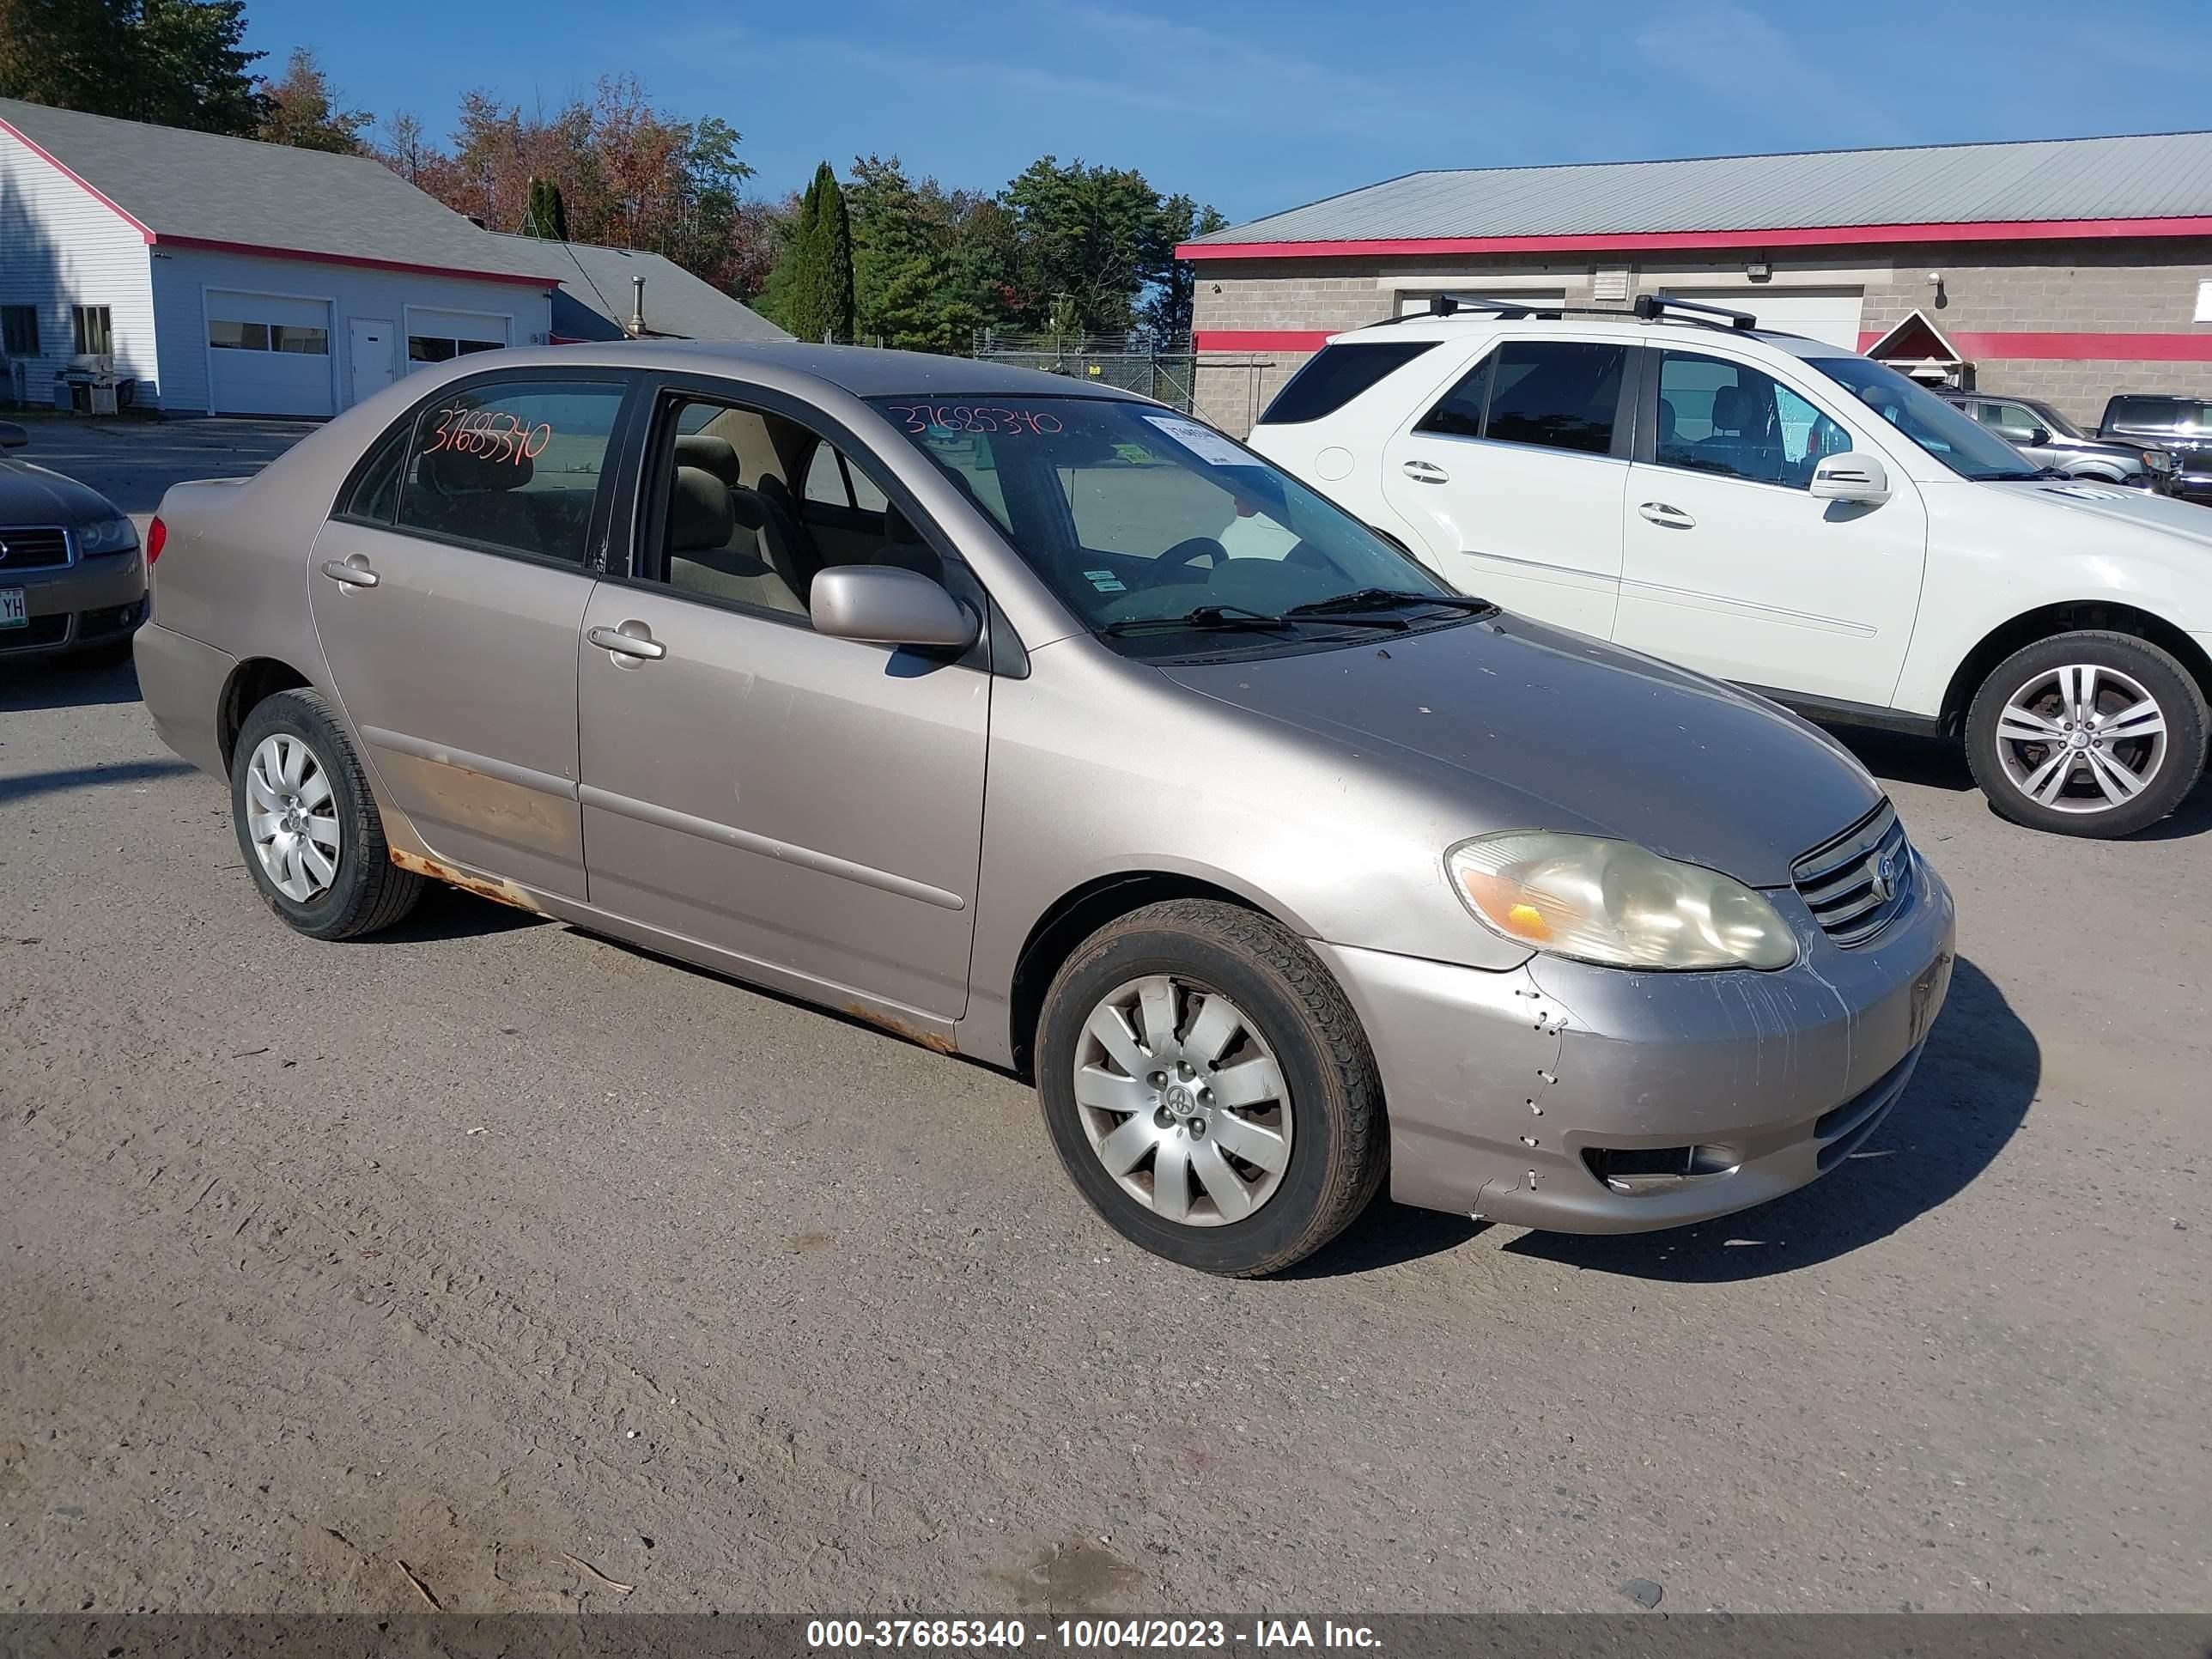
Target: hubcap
1183 1102
292 817
2081 739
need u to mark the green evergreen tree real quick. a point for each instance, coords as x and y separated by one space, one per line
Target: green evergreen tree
547 215
173 63
811 294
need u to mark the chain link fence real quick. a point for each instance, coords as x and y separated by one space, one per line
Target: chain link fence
1165 368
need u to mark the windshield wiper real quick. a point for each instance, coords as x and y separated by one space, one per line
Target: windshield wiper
1382 599
1213 619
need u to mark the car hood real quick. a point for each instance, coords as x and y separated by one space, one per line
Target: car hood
1535 728
32 496
2130 506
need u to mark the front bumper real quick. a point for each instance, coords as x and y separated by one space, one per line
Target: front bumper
86 602
1500 1086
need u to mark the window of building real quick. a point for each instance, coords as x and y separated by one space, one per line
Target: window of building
19 330
1550 394
514 467
1728 418
95 328
269 336
439 349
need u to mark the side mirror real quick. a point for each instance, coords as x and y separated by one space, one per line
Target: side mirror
1853 476
2016 435
882 604
2038 434
12 436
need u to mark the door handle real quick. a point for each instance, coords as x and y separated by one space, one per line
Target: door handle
1672 517
1424 473
353 572
632 639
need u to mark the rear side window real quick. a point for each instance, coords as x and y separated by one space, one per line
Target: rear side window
2153 414
1338 375
1550 394
514 467
373 497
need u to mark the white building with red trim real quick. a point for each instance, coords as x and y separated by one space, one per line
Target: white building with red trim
220 275
2067 269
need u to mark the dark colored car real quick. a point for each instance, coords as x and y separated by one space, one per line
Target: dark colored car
72 581
2182 426
2049 438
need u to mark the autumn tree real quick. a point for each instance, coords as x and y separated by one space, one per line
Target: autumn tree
303 110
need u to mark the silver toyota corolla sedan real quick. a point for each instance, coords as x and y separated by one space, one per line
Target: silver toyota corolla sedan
1038 723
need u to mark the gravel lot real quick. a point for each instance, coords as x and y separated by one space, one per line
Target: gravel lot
542 1266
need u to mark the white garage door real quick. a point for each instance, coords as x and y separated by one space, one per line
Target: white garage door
1818 313
268 354
437 337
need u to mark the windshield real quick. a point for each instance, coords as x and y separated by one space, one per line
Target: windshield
1952 437
1155 529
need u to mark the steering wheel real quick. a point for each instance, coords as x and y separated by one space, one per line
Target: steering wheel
1188 551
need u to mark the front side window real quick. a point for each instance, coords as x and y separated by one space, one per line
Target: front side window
1957 440
1163 535
95 328
515 466
1549 394
1727 417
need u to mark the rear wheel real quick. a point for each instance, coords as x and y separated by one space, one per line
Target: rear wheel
2087 733
1209 1088
309 825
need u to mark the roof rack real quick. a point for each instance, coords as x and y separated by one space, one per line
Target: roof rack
1653 308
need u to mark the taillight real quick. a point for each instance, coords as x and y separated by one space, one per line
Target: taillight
157 537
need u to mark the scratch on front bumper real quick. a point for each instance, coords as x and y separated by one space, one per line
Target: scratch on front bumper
1497 1085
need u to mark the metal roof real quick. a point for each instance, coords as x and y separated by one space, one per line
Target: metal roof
2151 176
594 300
185 186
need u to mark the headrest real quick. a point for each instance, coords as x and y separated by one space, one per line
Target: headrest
458 472
699 516
1728 408
1666 421
716 455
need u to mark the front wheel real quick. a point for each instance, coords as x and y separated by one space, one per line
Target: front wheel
1209 1088
2087 733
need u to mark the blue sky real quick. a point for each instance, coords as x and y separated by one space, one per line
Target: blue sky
1259 106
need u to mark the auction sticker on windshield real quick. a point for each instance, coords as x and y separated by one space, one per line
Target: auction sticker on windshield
13 611
1209 446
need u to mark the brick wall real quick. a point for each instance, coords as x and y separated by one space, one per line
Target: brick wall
2099 287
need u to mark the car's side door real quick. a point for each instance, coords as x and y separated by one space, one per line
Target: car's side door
1730 565
1515 477
448 591
808 809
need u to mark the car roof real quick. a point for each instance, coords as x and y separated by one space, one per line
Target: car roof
863 371
1671 331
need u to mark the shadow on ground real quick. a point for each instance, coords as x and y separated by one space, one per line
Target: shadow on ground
59 682
1975 1082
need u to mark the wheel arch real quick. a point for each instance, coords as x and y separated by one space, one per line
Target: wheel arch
2066 617
253 681
1081 912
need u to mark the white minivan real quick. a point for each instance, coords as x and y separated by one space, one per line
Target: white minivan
1789 515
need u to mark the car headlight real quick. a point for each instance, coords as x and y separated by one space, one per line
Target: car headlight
1612 902
105 536
2158 460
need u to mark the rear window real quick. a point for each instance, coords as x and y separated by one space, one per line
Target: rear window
1338 375
2154 414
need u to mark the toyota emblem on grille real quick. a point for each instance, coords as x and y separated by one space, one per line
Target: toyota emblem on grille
1885 878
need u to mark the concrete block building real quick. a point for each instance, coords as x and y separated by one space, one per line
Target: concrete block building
2067 269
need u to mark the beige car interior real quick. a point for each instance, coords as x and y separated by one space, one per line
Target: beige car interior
736 531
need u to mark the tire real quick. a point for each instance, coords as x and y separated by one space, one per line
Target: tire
2033 782
1279 1004
364 890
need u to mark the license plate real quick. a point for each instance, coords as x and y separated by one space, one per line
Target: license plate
13 611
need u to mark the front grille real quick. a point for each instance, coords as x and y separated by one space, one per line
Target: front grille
1858 883
33 549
